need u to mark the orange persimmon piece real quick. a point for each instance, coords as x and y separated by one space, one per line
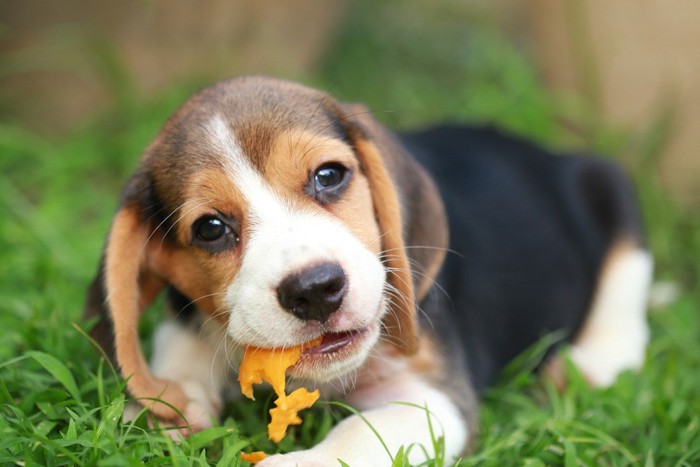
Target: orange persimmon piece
270 365
253 457
286 412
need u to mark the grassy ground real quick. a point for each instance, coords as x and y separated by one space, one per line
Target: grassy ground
61 404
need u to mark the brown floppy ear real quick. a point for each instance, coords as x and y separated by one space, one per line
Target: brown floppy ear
125 285
411 220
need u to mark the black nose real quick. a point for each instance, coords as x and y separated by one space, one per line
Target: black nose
314 293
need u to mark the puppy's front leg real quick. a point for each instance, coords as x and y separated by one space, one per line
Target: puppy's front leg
355 443
190 355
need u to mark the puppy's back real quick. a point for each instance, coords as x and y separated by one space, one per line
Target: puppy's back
529 232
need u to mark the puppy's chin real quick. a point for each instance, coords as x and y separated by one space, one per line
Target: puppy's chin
338 355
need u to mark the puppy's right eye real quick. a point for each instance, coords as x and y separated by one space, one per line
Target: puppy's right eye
213 234
210 229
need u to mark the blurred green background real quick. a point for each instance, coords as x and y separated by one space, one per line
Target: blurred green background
86 85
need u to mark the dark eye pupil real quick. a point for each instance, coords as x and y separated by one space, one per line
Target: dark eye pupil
328 176
211 229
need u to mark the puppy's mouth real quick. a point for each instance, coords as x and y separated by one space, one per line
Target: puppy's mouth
337 342
338 353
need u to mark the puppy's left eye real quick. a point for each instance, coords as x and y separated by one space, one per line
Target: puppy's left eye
214 234
328 176
328 182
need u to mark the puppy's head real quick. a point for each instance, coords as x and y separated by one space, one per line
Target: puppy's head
275 210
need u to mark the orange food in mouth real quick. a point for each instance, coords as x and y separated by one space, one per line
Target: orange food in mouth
270 365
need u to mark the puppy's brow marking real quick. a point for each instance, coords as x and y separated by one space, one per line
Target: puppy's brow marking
252 185
223 139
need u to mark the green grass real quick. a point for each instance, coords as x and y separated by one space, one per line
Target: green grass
60 404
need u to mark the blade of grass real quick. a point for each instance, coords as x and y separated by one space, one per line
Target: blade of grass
58 370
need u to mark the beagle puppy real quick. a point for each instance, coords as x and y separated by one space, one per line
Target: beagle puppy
271 214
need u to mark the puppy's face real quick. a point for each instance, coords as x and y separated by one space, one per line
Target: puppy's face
266 221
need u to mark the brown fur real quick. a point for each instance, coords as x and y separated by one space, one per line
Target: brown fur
401 324
301 152
424 223
125 274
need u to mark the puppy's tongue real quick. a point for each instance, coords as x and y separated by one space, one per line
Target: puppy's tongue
333 341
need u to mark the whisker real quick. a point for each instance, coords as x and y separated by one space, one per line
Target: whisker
427 247
179 219
396 271
433 281
378 239
391 291
222 342
338 120
192 302
325 96
318 144
166 219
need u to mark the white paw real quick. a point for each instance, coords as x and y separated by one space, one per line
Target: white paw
602 361
614 336
202 409
299 458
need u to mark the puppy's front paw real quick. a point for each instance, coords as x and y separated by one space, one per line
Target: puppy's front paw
299 458
197 418
202 408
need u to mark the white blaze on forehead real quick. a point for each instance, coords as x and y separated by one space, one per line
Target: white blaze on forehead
265 206
280 240
249 181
